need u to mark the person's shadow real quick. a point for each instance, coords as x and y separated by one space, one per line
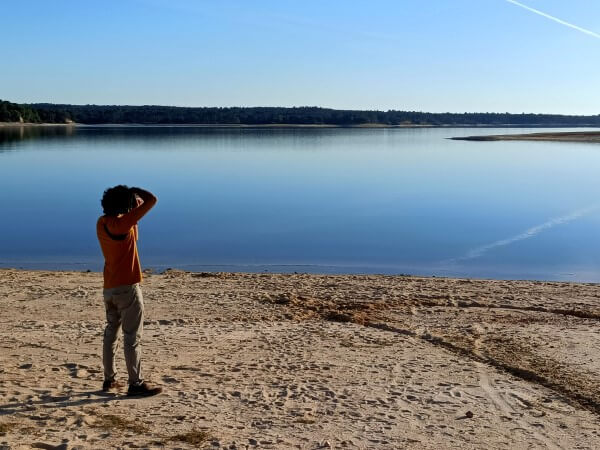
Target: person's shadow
62 401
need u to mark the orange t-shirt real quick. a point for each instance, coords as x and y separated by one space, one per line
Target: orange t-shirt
121 260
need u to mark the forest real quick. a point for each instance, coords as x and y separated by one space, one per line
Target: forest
304 115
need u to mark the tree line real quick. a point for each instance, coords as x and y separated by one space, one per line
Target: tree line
305 115
12 112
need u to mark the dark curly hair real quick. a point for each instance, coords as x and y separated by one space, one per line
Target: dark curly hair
117 200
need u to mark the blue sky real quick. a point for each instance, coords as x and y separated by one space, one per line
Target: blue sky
441 55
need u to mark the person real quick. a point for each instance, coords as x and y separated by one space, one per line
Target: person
118 233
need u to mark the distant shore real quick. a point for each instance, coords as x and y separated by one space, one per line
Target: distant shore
277 116
569 136
29 124
533 136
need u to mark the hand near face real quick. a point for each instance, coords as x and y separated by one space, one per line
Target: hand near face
138 200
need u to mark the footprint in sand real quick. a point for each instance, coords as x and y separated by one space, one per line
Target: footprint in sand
46 446
169 379
76 370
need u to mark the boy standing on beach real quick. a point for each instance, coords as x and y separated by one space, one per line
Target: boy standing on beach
117 233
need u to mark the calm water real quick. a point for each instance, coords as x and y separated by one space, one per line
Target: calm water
308 200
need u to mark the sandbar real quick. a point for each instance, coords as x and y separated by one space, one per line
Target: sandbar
568 136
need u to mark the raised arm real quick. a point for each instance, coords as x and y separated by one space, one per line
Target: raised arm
145 201
146 196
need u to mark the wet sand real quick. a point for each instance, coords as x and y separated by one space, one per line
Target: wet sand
305 361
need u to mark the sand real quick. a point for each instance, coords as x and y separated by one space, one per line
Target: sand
565 136
305 361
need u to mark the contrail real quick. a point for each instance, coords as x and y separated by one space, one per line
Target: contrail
478 251
556 19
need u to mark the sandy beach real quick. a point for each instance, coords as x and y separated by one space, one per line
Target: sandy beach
305 361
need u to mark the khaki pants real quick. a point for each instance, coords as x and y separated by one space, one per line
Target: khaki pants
124 309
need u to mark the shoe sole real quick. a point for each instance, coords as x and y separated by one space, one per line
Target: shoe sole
144 394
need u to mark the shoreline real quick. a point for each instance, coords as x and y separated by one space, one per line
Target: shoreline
569 136
298 360
322 270
370 125
28 124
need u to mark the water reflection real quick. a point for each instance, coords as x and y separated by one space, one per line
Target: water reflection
17 133
314 200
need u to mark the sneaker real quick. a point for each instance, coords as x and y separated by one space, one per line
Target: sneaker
110 385
143 390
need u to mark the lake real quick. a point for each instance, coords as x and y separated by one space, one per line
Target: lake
319 200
